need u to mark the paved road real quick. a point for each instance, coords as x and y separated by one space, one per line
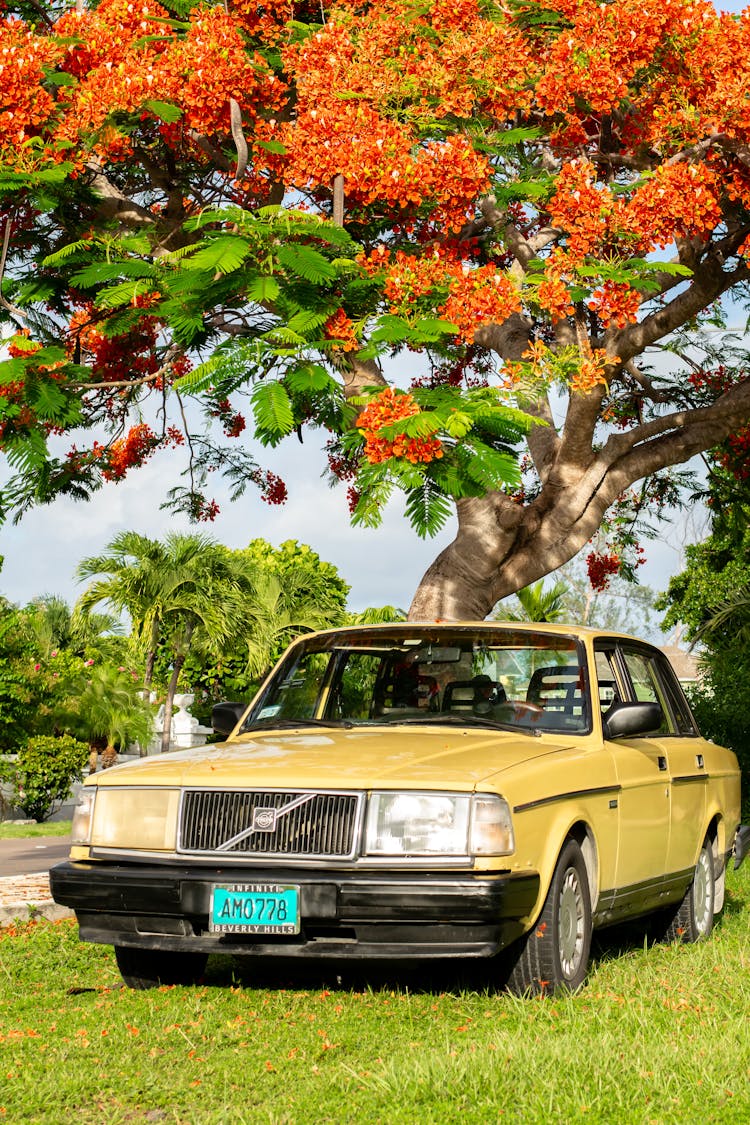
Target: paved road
33 853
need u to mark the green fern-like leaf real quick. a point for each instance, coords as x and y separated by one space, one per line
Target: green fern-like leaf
429 329
201 377
49 401
376 489
186 323
118 296
65 252
263 290
419 425
458 423
165 110
224 254
309 379
491 469
307 320
272 410
27 453
46 356
36 291
101 272
11 370
391 330
306 262
427 509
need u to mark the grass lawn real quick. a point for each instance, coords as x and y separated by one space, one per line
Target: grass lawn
19 831
658 1035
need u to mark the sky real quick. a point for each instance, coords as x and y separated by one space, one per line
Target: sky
382 566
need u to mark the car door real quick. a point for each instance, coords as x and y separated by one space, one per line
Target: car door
644 798
678 745
687 772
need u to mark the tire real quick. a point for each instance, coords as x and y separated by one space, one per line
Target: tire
692 919
148 968
554 955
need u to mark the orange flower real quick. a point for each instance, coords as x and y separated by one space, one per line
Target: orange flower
392 406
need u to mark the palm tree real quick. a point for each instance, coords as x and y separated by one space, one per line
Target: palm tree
104 707
727 619
377 615
52 625
134 572
187 590
537 604
205 605
278 610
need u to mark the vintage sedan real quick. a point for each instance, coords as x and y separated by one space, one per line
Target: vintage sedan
417 791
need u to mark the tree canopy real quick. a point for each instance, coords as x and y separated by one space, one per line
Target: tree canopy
442 234
710 601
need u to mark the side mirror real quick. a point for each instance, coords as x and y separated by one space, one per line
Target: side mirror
628 720
225 716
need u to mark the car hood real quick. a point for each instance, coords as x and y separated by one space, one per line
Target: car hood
362 758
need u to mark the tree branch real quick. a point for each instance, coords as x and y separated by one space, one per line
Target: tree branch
709 282
114 204
3 259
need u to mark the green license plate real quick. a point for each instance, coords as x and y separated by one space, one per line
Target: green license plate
261 908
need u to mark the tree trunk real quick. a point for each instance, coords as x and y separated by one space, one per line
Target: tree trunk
502 546
489 560
109 756
148 675
179 661
96 745
151 654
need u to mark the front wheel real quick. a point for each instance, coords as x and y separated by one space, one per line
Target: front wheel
692 920
148 968
554 955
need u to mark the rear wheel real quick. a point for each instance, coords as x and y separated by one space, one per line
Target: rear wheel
148 968
554 955
692 920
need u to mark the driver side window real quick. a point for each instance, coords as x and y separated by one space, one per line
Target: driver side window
646 686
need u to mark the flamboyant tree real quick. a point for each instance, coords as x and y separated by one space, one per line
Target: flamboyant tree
433 231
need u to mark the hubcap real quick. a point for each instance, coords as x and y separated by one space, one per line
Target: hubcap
570 927
702 896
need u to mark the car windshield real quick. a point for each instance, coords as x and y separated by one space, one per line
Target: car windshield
510 678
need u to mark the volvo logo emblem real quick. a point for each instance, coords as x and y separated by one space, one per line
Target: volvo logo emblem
264 819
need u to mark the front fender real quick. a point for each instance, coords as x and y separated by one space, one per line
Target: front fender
548 830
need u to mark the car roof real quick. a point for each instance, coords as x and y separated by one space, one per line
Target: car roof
581 632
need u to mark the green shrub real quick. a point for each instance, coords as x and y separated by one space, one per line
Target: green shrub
45 769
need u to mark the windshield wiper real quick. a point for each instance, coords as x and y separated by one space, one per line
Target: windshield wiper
466 721
292 724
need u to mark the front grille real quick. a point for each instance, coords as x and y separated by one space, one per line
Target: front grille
301 823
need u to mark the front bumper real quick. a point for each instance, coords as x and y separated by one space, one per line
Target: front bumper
343 914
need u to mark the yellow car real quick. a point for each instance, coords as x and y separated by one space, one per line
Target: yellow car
417 791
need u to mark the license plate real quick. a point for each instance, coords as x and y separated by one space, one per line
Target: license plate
262 908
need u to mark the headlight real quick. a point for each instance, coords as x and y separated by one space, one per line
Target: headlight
82 818
136 819
438 824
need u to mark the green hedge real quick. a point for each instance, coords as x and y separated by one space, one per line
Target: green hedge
43 773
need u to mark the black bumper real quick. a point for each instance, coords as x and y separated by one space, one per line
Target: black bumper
343 914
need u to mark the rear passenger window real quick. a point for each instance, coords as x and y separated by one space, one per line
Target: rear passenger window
679 705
